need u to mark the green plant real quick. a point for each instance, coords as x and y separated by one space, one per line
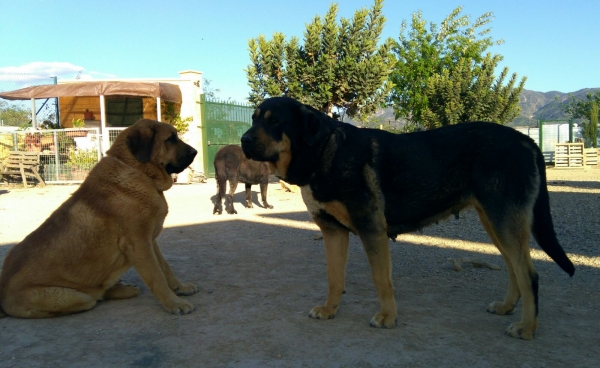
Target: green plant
78 123
182 125
47 124
82 158
580 110
590 130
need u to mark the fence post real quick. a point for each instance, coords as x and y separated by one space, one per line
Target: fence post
571 131
204 133
56 158
56 112
541 135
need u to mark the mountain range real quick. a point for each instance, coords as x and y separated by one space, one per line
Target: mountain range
535 106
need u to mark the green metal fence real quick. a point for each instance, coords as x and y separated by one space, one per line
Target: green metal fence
224 123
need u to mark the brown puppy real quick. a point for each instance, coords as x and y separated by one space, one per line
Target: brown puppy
377 185
231 165
77 256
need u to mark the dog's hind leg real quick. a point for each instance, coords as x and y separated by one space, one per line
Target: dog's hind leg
121 291
249 196
229 202
506 306
46 302
221 181
336 239
510 233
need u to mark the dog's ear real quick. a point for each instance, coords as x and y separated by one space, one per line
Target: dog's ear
140 142
310 125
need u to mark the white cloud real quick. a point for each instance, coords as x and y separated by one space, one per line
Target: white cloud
62 70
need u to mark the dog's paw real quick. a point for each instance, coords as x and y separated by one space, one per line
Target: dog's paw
383 320
518 330
186 289
500 308
232 212
218 209
322 312
268 206
179 307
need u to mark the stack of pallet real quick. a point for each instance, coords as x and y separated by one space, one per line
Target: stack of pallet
568 155
590 156
574 156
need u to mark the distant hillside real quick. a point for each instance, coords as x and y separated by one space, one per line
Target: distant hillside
545 105
535 106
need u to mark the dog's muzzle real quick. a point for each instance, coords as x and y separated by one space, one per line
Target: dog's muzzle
183 161
248 146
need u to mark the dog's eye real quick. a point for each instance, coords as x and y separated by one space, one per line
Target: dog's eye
172 138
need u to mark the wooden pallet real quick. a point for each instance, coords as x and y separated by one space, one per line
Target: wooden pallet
590 156
568 156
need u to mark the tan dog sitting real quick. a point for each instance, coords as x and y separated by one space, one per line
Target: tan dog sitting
77 256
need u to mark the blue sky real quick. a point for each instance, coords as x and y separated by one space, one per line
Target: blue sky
554 43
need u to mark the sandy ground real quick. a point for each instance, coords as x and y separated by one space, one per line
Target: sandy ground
261 271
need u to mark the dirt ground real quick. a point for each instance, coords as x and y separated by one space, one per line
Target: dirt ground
261 271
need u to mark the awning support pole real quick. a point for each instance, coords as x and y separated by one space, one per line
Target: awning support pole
103 131
158 110
33 114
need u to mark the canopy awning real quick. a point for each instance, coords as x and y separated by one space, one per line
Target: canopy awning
166 91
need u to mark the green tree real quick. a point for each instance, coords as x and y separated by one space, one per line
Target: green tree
209 91
171 110
428 57
14 115
591 129
470 92
339 65
585 110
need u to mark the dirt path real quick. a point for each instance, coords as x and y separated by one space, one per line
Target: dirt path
261 271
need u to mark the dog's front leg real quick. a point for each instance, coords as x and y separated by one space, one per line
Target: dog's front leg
378 253
174 284
263 194
249 196
145 260
336 241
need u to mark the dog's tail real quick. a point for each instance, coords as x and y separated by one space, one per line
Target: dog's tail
543 228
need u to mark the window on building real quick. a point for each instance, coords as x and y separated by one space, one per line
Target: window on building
123 111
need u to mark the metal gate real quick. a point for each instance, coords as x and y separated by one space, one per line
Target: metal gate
225 123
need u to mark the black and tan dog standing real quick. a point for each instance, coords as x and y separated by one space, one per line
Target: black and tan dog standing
377 185
77 256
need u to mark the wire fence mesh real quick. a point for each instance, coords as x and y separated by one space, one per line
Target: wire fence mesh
17 113
66 155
